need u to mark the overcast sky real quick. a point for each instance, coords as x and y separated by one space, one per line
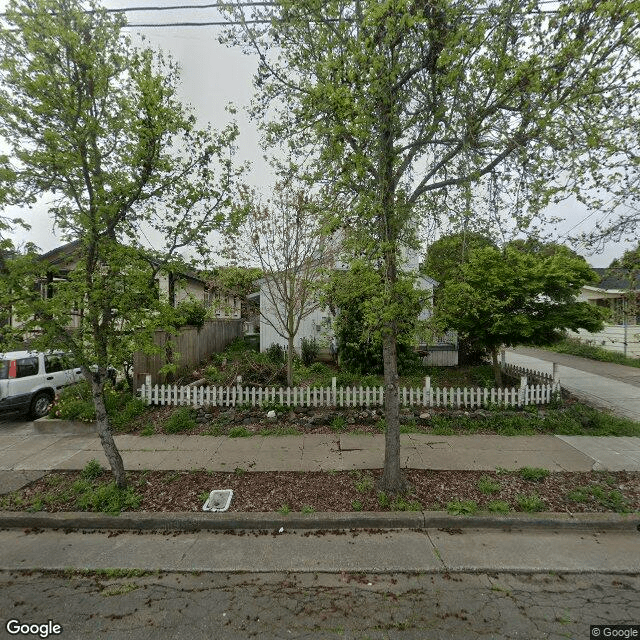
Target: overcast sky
213 76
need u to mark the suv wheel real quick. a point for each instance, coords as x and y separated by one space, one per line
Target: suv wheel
40 405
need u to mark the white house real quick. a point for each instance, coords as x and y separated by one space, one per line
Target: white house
621 297
318 323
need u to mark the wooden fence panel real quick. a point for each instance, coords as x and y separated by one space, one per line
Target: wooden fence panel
192 345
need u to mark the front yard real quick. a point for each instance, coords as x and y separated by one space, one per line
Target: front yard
457 492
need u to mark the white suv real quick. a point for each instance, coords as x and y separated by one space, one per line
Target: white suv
29 380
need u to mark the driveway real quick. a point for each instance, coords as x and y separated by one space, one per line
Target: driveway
603 384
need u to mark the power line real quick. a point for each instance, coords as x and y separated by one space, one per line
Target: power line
180 7
243 4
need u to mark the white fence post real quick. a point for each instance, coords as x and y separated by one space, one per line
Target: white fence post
334 392
556 374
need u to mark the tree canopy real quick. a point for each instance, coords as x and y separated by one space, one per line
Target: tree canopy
95 124
508 297
400 106
446 256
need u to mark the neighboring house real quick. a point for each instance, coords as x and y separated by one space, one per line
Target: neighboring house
319 323
618 293
175 287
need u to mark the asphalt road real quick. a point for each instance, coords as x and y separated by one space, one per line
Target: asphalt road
341 606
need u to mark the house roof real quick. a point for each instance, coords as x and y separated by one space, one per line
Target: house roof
59 254
615 278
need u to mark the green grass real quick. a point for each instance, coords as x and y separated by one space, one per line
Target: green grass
405 504
488 485
498 506
148 430
530 503
239 432
285 509
533 474
182 419
364 483
610 499
575 347
462 507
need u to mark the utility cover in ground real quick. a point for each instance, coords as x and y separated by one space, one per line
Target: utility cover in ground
218 500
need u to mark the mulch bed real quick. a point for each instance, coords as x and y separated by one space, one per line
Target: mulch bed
181 491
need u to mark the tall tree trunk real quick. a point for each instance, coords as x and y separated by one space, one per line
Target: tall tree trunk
104 431
497 371
290 361
392 480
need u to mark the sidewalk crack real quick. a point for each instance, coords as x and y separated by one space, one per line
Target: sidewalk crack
436 551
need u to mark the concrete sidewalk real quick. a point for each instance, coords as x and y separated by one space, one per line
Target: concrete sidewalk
603 384
24 454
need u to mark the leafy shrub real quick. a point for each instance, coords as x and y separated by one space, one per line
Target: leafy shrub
189 312
239 360
533 474
92 470
462 507
488 485
574 347
530 503
498 506
131 410
182 419
319 368
356 505
276 353
74 403
239 432
309 348
107 498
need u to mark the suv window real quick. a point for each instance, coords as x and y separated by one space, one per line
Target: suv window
54 362
26 367
4 369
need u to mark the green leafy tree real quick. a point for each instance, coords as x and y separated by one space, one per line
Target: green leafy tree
353 296
446 256
96 124
627 268
236 282
402 105
509 297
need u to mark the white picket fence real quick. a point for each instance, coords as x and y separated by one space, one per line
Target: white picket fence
334 396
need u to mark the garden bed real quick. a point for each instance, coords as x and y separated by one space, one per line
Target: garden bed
459 492
569 418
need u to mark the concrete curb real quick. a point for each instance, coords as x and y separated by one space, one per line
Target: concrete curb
140 521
